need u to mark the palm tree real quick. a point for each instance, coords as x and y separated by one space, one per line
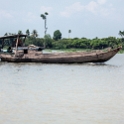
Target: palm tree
20 32
6 34
28 32
44 17
121 33
69 31
34 33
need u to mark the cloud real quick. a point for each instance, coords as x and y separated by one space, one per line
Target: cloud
76 7
105 11
97 7
101 2
44 9
92 7
27 17
5 14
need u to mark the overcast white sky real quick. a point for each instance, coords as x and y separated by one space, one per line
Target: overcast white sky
85 18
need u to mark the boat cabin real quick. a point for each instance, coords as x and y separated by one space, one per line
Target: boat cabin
14 43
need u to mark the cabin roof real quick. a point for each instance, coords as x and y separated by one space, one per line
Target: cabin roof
13 36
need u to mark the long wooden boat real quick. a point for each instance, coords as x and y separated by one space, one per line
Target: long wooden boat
35 54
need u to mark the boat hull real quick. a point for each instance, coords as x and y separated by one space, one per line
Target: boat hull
78 57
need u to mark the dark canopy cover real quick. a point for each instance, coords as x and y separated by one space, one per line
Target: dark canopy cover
13 36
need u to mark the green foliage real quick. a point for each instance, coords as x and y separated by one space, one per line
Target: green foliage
48 41
20 32
35 41
112 41
57 35
34 33
121 33
62 44
75 38
6 34
28 32
95 44
68 43
44 15
82 43
69 31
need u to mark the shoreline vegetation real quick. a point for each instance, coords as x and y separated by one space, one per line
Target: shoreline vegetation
57 43
73 45
76 44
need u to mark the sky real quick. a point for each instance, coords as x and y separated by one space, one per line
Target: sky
85 18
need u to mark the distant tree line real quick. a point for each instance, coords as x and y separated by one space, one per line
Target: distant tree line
57 42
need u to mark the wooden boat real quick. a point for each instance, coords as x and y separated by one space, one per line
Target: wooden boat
35 54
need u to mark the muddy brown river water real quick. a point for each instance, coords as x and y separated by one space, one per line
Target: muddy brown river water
32 93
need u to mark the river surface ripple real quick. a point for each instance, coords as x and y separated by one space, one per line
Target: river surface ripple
37 93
